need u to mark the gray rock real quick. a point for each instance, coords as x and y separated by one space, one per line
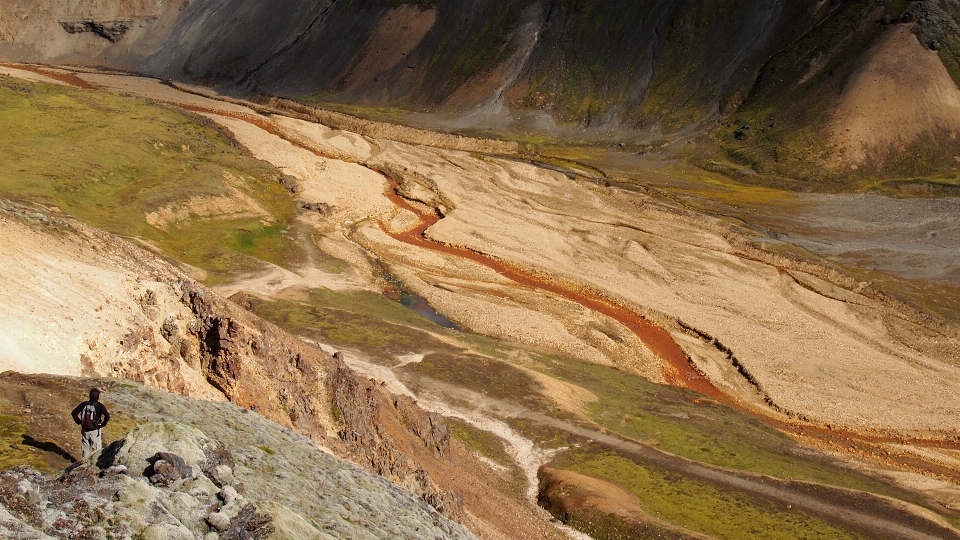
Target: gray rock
228 494
225 473
233 445
145 441
249 525
219 521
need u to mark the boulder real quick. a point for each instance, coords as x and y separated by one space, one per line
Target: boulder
168 468
145 442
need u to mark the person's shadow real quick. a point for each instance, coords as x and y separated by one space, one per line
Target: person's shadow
48 446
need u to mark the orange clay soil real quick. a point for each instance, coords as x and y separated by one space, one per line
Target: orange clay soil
66 78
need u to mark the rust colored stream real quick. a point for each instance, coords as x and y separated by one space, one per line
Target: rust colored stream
677 370
65 78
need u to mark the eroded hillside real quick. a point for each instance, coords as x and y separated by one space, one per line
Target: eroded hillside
783 79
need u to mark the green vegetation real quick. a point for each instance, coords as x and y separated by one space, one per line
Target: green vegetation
697 505
61 148
493 448
484 375
361 319
690 425
395 115
483 442
13 451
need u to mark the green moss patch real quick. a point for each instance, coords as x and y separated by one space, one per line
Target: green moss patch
109 160
484 375
357 319
13 450
697 505
693 426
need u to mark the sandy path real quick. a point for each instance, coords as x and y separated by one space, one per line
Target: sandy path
277 280
23 72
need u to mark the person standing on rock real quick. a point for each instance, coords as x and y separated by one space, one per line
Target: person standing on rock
92 416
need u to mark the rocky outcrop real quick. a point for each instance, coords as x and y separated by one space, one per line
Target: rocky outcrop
366 413
111 31
172 333
194 469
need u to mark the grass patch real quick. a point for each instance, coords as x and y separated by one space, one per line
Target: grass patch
393 115
13 452
493 378
109 160
700 506
483 442
687 424
356 319
493 448
543 435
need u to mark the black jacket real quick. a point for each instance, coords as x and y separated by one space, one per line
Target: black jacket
100 418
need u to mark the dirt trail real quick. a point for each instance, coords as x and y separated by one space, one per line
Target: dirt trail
66 78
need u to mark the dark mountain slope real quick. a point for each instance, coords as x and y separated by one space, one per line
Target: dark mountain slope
782 68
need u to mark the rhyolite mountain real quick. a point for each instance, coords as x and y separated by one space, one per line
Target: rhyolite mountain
776 83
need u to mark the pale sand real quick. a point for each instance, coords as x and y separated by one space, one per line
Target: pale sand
849 362
68 299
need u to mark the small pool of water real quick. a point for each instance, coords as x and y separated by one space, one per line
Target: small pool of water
412 300
422 307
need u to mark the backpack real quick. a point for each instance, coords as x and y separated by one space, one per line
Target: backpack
88 417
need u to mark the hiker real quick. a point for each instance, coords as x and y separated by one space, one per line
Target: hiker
91 416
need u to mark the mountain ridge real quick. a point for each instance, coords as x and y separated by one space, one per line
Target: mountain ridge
643 71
